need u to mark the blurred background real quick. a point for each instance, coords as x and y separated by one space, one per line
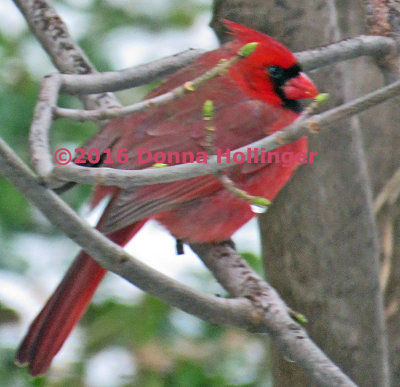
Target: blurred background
126 338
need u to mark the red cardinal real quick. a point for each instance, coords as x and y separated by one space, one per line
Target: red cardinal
256 97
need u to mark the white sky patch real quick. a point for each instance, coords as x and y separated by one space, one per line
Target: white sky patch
35 59
112 367
17 294
154 8
22 296
157 248
188 325
69 354
154 246
134 46
204 2
82 4
11 21
47 257
77 20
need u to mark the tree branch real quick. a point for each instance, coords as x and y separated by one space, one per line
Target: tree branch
112 257
389 194
291 338
42 120
263 311
132 178
376 46
131 76
52 33
178 92
384 19
235 275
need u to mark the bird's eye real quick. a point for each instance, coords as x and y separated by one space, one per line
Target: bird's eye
275 71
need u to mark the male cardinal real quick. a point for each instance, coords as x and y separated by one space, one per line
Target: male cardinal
255 97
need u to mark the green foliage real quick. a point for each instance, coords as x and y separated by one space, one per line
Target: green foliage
126 325
192 374
165 355
7 315
15 210
10 375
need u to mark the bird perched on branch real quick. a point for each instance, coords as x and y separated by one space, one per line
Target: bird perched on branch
256 96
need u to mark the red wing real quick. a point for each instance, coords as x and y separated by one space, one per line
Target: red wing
179 127
237 123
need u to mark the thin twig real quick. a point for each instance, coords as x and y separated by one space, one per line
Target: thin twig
227 182
389 194
42 119
133 178
310 60
178 92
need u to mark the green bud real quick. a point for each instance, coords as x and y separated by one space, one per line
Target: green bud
321 97
208 108
300 318
159 165
261 202
248 49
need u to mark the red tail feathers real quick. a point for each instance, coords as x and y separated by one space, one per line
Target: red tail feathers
62 311
65 307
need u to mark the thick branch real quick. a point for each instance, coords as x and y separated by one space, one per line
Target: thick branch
384 19
52 33
130 77
238 278
114 258
376 46
143 74
241 281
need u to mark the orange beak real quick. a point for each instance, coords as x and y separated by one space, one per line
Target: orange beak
300 87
